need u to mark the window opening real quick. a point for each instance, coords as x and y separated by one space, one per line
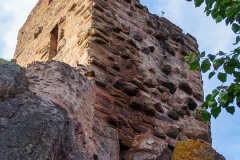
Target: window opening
49 2
53 42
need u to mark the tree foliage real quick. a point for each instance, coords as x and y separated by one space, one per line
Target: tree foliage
224 65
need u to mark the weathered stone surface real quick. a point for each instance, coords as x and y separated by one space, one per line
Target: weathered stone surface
149 110
164 97
173 114
172 87
42 129
166 154
181 137
198 96
145 50
136 103
158 132
167 69
219 157
131 57
172 132
148 148
194 129
164 118
163 89
185 87
192 105
33 128
137 36
12 81
130 89
158 107
113 121
192 149
180 112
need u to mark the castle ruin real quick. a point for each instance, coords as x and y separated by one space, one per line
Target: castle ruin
139 98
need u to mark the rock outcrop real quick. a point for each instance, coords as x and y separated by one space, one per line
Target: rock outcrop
34 127
35 123
31 127
192 149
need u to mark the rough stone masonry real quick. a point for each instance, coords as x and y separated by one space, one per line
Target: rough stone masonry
139 97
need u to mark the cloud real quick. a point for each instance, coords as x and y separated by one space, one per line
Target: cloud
12 16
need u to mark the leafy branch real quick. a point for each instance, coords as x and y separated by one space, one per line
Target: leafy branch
223 64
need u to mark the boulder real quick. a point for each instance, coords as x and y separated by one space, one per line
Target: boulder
193 149
12 81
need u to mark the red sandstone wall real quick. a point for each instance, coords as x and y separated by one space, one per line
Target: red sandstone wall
144 88
34 37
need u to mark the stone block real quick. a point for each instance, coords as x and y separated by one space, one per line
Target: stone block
158 132
164 96
172 132
158 107
136 103
185 87
173 114
169 85
149 110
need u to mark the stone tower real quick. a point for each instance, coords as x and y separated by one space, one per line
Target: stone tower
145 96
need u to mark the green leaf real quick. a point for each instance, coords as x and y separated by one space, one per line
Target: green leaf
238 98
208 12
194 64
219 19
211 74
215 13
211 57
206 116
215 111
222 77
209 3
204 105
218 63
229 20
214 93
221 53
237 40
206 65
228 68
186 58
229 11
237 76
197 112
235 28
231 88
235 57
212 103
208 97
198 2
230 109
202 54
192 55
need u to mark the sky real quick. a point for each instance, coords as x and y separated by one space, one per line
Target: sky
211 38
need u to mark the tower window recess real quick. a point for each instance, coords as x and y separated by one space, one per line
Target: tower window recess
53 42
49 2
